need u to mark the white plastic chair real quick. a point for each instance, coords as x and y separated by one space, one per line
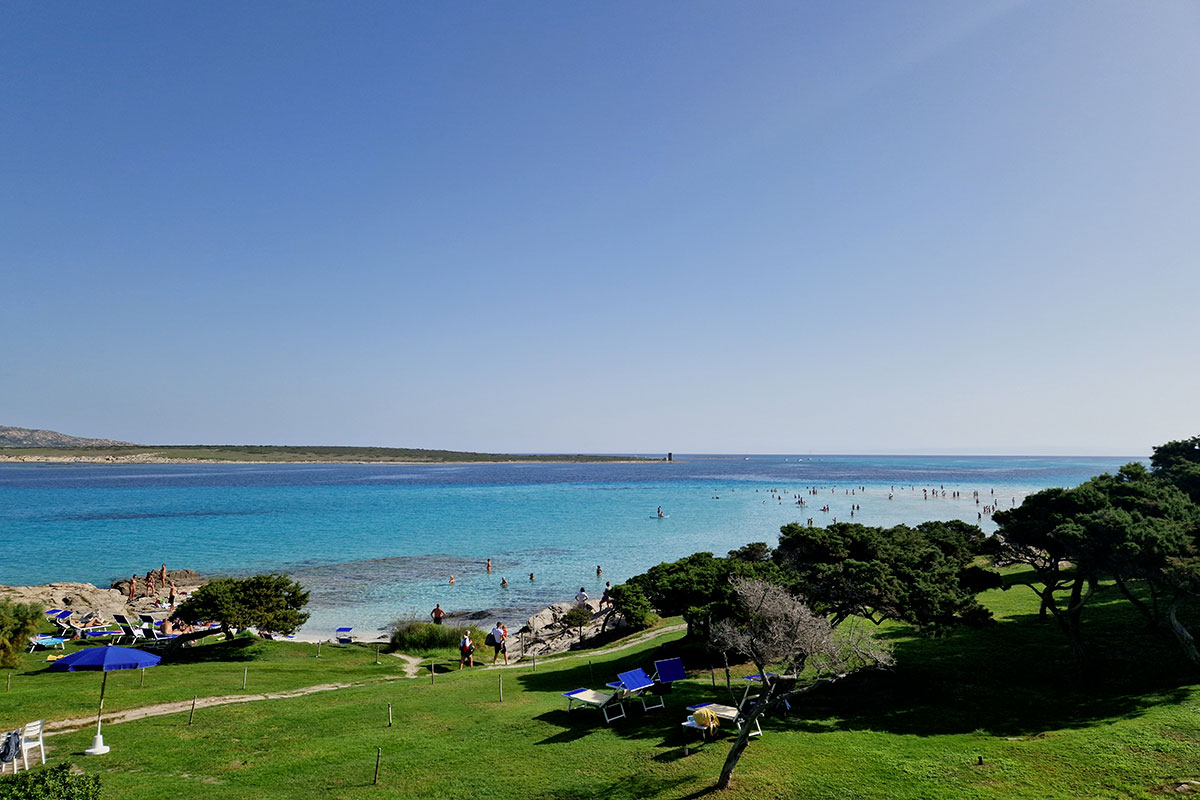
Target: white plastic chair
31 737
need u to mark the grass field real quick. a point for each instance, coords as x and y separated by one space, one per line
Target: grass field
997 713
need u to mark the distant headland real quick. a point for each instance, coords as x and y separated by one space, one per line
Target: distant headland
32 446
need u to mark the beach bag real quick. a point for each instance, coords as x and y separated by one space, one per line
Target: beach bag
490 641
706 719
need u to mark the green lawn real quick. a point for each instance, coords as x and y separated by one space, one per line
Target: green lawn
1007 695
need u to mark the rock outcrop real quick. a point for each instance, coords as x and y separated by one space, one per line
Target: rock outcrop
545 632
83 598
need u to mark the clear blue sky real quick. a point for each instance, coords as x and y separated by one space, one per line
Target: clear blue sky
604 226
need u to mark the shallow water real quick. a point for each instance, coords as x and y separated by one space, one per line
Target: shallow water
376 542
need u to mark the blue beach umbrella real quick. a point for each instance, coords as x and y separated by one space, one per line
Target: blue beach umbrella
105 659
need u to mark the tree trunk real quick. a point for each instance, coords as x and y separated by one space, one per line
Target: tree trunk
1186 640
773 698
748 724
1147 612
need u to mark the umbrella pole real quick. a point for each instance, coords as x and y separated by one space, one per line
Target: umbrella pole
100 713
98 747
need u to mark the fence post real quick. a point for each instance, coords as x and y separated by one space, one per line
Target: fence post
378 758
501 680
318 649
389 715
192 715
245 673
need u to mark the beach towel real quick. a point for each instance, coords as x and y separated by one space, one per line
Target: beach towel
11 746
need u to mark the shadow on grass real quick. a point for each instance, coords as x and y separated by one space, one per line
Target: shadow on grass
239 649
1016 678
663 726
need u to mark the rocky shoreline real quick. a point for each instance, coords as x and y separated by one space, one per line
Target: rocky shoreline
544 633
84 598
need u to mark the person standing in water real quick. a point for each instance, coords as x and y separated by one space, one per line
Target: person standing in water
489 565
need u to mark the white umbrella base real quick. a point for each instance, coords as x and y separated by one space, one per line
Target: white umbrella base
98 747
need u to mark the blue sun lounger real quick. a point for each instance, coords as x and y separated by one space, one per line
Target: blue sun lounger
636 683
44 640
669 670
609 704
342 635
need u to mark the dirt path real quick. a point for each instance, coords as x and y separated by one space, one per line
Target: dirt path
412 664
161 709
412 667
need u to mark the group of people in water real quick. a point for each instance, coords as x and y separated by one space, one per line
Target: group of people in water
497 639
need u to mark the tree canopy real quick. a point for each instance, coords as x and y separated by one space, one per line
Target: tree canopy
266 602
915 574
1137 528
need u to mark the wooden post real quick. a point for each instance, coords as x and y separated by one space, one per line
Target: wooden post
535 662
8 683
245 672
501 681
389 715
376 654
432 670
318 649
591 671
192 715
378 758
713 673
142 682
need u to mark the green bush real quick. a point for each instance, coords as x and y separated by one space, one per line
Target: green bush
577 617
416 636
53 783
632 604
18 621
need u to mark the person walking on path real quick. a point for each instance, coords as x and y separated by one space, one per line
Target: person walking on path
466 651
437 614
497 641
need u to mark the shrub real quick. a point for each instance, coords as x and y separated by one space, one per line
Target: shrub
417 636
18 621
59 782
632 604
577 617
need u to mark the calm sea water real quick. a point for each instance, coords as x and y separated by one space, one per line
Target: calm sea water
376 542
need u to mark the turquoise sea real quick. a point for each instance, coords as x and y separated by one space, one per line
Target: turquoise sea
377 542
